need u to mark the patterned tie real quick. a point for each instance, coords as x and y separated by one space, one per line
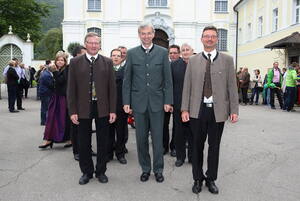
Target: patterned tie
147 50
92 83
207 91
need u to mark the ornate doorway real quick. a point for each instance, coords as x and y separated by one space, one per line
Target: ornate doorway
161 38
7 53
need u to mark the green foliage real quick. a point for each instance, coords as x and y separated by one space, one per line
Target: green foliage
24 16
72 46
56 15
49 45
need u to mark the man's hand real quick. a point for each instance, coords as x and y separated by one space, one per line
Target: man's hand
112 117
168 108
74 119
233 118
185 116
126 109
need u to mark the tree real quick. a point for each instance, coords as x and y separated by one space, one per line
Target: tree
25 17
49 45
72 46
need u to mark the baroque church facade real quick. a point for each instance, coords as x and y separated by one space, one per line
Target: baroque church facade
175 22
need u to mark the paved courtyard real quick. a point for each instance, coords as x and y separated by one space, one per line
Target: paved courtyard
259 161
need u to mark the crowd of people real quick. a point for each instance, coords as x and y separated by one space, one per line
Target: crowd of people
284 83
18 79
201 92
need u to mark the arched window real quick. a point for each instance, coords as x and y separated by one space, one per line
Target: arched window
157 3
221 6
8 52
94 5
222 44
95 29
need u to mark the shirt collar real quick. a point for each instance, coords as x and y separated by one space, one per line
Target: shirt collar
213 54
150 47
88 56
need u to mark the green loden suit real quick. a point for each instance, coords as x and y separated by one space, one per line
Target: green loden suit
147 86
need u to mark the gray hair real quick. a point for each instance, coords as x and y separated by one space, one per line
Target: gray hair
144 25
186 45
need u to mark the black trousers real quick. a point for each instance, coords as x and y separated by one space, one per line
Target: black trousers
12 94
202 127
166 134
183 135
74 138
278 93
117 133
245 95
84 142
19 96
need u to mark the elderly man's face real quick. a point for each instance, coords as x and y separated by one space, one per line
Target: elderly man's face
186 52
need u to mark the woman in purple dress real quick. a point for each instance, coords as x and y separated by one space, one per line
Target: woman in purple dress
57 129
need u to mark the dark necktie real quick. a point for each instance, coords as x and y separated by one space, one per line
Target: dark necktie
92 83
207 91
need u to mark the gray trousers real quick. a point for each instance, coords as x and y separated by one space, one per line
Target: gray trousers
150 123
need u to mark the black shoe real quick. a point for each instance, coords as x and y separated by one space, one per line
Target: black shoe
44 146
93 153
212 187
145 176
159 177
274 108
76 157
102 178
122 160
165 151
179 163
21 108
173 153
197 186
68 145
13 111
85 178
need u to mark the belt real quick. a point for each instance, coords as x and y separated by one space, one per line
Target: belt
208 104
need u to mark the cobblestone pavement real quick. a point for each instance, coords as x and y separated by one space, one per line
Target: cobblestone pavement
259 161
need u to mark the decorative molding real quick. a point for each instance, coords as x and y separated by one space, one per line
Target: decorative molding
159 23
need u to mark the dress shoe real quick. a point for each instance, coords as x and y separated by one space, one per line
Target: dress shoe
197 186
173 153
274 108
212 187
13 111
85 178
179 163
102 178
93 153
165 151
21 108
68 145
145 176
122 160
76 157
159 177
44 146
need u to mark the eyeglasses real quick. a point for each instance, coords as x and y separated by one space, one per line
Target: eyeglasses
208 36
92 43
